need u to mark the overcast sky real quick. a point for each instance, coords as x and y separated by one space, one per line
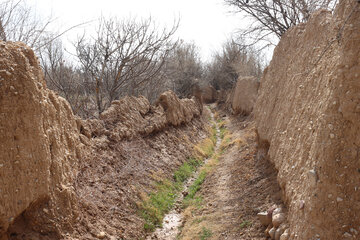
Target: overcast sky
208 23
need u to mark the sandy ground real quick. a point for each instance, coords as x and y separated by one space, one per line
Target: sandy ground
240 186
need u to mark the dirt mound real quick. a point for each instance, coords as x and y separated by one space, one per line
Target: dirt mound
39 148
307 117
134 116
178 111
243 97
209 94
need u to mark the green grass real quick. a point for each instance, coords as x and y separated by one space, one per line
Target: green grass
190 199
186 170
205 233
162 199
158 204
245 224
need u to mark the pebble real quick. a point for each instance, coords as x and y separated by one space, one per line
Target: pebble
347 235
279 232
264 219
339 199
301 204
101 235
285 235
278 219
353 231
272 233
277 211
267 230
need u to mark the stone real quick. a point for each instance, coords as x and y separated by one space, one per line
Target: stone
267 230
277 210
353 231
272 233
271 210
264 219
285 235
101 235
301 204
280 231
278 219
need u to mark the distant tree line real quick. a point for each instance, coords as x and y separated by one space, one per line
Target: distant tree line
136 57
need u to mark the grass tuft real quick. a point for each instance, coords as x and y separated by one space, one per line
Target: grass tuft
205 233
245 224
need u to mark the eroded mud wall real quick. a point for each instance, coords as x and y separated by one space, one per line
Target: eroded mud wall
308 114
39 146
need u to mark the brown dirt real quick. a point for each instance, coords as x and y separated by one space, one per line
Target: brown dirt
110 182
241 185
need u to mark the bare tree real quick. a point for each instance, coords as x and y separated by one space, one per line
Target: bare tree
18 22
183 67
273 18
63 77
123 54
232 61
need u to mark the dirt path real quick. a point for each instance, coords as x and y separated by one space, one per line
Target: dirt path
241 185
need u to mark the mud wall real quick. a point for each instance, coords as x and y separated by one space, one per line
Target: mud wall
39 145
209 94
308 114
244 95
53 164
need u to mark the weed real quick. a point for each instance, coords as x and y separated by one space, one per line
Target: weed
198 220
205 233
245 224
184 172
158 203
193 189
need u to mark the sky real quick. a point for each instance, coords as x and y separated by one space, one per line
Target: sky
207 23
